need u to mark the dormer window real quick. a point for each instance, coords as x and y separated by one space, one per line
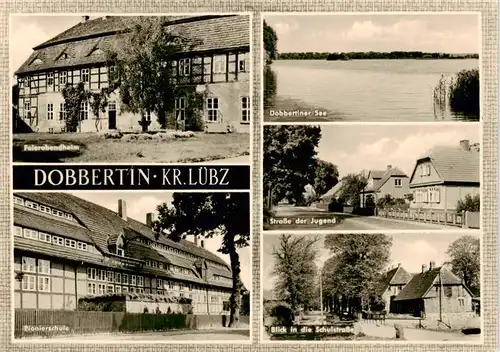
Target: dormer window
97 51
120 252
37 61
63 56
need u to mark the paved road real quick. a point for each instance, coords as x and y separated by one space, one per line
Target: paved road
242 335
347 221
387 331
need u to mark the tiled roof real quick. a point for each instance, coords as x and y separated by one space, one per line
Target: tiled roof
396 276
103 222
38 221
78 42
453 164
420 284
333 191
34 246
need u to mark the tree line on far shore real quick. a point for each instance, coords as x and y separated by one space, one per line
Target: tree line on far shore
371 55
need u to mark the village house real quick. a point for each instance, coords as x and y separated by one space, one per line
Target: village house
328 200
66 248
391 285
217 64
391 181
434 293
445 175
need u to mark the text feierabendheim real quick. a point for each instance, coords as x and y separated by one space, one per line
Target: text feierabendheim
133 176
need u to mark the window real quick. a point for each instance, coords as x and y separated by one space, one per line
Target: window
180 109
82 246
448 291
111 289
84 110
120 252
58 241
70 243
212 299
397 182
131 289
245 109
220 64
28 233
112 106
118 278
242 65
18 200
91 273
44 283
184 67
118 289
139 290
63 77
62 111
29 265
26 82
147 116
132 280
29 283
124 289
50 78
125 279
461 302
102 289
154 264
212 109
43 266
160 265
109 276
160 292
18 231
85 75
140 281
159 283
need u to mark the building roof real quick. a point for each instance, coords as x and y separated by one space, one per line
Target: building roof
381 177
207 33
421 283
453 164
396 276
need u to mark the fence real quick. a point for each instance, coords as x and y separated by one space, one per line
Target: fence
464 219
41 322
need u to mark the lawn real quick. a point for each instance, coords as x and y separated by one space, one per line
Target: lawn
95 148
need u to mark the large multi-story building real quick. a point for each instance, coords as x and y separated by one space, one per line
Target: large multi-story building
216 63
66 248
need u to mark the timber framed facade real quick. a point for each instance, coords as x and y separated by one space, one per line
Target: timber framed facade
218 66
66 248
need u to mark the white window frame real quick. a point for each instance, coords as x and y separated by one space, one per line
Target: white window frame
125 279
118 289
112 287
85 75
140 281
212 109
184 67
50 111
245 109
159 283
120 252
28 264
18 231
398 182
219 64
44 283
27 107
62 111
50 79
109 276
84 110
29 233
43 266
147 115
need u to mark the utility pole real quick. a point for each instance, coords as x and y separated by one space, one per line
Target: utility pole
321 292
440 298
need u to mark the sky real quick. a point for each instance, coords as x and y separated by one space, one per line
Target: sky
27 32
451 33
363 147
411 250
138 204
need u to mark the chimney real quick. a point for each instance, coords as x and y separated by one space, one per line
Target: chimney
202 244
424 268
122 209
149 220
195 240
399 265
389 167
464 145
85 19
432 265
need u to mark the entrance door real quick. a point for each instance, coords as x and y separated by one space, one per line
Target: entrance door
112 116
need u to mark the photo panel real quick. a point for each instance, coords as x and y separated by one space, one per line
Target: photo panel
372 177
169 267
82 91
412 288
372 67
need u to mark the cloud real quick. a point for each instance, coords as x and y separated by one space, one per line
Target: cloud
283 28
413 254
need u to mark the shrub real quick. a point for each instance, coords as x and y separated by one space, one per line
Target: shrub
464 92
469 203
283 315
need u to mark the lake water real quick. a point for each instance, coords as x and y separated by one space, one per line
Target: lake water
363 90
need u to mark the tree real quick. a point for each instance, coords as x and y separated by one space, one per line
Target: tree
465 260
351 190
357 263
73 96
208 215
289 161
146 70
98 102
295 270
469 203
327 176
270 42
